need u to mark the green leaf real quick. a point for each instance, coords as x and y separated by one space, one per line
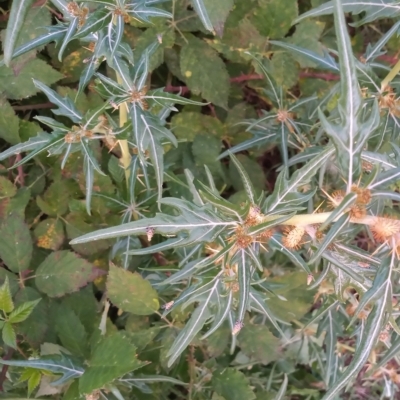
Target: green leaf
198 221
324 61
373 10
282 390
130 292
8 335
7 189
49 234
19 10
20 85
187 125
66 106
232 384
203 14
285 194
64 272
9 123
350 135
273 18
205 149
258 343
6 303
292 301
71 332
114 357
218 11
205 73
197 320
35 327
67 366
22 312
370 334
16 244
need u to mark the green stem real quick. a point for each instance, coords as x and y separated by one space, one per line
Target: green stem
125 159
391 75
320 218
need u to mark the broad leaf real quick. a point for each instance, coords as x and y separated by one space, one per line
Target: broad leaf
130 292
64 272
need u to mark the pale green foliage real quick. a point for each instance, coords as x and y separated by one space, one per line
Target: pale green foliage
225 276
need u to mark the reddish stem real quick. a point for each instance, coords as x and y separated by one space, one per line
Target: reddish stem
21 175
4 370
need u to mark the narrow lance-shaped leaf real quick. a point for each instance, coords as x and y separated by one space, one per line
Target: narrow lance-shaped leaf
347 136
69 367
66 106
286 191
374 9
371 333
19 10
72 27
197 320
244 277
201 11
325 62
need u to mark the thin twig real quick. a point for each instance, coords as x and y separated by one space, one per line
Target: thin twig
4 370
21 175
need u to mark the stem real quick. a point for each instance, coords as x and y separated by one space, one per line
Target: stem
125 159
391 75
310 219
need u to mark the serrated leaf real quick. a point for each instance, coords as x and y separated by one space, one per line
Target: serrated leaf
64 272
232 384
20 85
273 18
49 234
71 332
7 188
6 302
8 335
112 358
130 292
218 11
204 72
16 244
34 328
258 343
22 312
9 123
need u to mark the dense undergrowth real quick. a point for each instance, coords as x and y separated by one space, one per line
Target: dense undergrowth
199 199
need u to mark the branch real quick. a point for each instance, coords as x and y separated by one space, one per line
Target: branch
4 370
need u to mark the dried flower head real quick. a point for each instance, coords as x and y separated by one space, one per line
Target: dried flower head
336 198
363 195
357 211
384 228
293 237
